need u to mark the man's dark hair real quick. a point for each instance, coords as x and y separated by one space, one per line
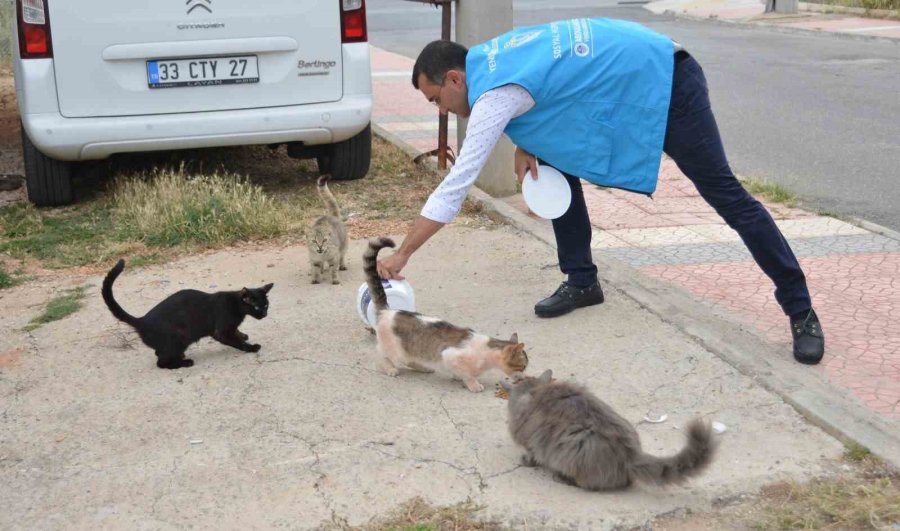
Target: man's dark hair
438 58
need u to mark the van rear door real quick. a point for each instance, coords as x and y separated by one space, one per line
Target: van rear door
115 58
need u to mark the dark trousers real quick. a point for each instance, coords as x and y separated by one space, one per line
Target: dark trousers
693 142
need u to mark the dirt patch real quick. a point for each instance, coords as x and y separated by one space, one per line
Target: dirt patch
12 186
866 496
11 358
9 112
418 515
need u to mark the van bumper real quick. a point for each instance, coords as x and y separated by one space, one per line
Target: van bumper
97 138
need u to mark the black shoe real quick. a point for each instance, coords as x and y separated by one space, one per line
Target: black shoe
567 298
809 340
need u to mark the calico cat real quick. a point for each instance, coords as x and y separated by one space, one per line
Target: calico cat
187 316
327 239
568 430
424 343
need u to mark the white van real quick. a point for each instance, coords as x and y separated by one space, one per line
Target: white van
97 77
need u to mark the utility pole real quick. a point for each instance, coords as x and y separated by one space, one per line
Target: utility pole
781 6
476 22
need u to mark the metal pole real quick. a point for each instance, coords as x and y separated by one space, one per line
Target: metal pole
476 22
442 118
443 150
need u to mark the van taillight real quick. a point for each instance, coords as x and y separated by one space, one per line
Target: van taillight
353 21
34 29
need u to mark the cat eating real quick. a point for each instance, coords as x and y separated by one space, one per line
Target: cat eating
568 430
411 340
187 316
327 239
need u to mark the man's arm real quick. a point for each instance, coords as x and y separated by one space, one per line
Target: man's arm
490 114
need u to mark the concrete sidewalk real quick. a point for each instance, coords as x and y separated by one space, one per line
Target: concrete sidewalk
811 17
306 433
678 239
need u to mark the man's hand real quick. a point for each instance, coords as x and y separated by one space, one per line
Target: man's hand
421 231
390 267
525 161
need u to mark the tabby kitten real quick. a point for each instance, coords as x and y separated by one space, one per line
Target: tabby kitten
568 430
327 239
187 316
424 343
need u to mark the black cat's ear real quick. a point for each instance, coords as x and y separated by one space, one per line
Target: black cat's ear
267 287
546 377
245 293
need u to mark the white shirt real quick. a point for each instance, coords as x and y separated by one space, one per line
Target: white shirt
490 114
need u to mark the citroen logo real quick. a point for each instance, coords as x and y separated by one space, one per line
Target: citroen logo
198 4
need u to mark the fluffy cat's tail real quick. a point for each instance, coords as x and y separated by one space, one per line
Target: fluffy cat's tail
690 461
111 303
370 266
327 196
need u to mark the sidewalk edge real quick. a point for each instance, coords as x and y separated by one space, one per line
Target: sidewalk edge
780 29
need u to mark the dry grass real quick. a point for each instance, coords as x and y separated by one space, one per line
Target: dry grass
417 515
169 208
844 503
866 495
770 191
162 205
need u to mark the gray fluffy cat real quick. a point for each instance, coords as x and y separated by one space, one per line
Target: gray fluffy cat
565 428
327 238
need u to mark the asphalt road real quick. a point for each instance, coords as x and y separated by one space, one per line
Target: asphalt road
818 114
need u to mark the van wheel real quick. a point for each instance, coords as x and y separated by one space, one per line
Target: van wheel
348 160
48 181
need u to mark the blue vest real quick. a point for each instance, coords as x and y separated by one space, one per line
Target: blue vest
601 89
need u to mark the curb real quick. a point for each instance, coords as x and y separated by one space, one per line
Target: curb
774 27
805 389
874 227
835 9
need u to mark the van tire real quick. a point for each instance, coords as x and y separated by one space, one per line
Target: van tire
48 181
348 160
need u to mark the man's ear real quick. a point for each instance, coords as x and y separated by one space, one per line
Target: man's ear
456 77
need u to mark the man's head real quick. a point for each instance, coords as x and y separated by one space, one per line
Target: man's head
440 74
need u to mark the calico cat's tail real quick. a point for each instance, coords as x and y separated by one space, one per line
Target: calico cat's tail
327 196
690 461
111 303
370 266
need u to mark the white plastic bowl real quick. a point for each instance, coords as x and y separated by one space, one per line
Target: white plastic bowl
549 196
400 296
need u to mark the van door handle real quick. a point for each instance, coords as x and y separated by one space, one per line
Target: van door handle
128 52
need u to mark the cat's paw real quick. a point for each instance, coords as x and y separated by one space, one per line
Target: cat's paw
187 362
315 281
390 370
564 479
475 387
342 268
336 282
253 348
528 460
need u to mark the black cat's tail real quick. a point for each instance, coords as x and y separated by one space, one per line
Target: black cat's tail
111 303
690 461
327 196
370 266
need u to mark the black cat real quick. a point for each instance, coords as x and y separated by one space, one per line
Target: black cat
188 316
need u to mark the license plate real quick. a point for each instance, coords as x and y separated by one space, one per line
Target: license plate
202 71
